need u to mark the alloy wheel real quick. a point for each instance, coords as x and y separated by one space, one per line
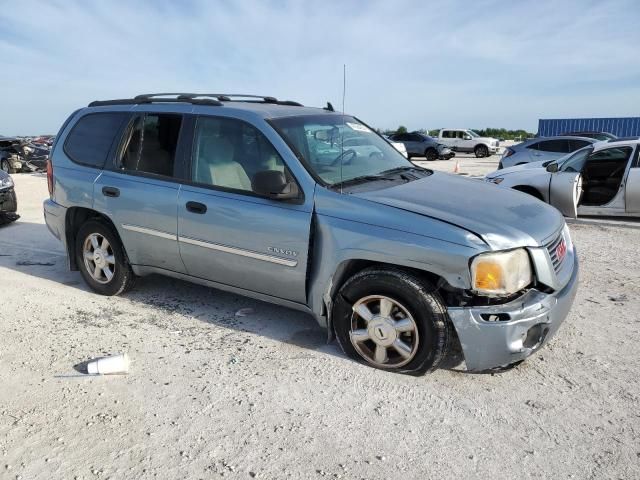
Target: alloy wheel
99 259
383 331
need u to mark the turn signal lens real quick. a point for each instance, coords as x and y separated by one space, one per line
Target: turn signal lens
501 273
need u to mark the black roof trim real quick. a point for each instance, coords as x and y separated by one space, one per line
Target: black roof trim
214 99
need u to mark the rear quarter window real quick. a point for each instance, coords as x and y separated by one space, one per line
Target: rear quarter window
92 137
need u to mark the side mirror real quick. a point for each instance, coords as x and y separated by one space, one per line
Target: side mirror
467 137
273 184
552 167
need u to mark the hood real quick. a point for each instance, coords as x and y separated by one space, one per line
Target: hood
503 218
518 168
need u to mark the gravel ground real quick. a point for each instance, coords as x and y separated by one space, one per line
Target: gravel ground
214 394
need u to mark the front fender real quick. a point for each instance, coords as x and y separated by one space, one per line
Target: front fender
337 242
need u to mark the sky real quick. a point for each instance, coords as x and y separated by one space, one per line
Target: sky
421 64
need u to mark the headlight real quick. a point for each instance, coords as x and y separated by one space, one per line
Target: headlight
6 182
501 273
496 180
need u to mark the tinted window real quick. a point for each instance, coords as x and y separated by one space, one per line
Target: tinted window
577 144
558 146
151 144
447 134
533 146
91 138
415 137
228 153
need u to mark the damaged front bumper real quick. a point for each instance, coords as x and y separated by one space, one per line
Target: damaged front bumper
499 335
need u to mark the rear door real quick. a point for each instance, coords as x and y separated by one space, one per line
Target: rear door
550 149
140 191
227 233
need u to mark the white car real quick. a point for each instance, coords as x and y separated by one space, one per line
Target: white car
600 179
465 140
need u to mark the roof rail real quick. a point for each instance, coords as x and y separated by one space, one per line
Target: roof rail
226 97
214 99
158 98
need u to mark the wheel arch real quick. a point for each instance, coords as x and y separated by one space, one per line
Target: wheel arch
348 268
74 218
533 191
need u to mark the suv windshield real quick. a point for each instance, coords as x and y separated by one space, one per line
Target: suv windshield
473 134
339 148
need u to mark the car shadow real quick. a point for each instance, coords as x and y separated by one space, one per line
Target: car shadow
30 249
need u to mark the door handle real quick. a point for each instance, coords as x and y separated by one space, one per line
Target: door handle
196 207
110 191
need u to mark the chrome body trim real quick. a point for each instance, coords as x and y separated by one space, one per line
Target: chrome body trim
149 231
238 251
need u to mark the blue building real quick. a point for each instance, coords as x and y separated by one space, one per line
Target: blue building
621 127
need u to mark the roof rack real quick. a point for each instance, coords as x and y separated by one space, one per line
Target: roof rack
158 98
215 99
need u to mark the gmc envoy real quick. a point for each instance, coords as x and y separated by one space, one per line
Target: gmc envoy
266 198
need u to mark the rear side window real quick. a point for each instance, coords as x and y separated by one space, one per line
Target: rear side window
577 144
558 146
447 134
151 143
91 138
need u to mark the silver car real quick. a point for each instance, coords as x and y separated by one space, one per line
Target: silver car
542 149
601 179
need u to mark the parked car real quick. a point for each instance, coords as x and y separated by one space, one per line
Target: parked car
11 155
465 140
600 179
8 201
398 146
542 149
420 145
601 136
389 257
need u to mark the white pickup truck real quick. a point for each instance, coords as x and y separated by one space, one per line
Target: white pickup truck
465 140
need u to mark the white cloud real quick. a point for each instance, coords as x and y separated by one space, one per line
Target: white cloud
419 64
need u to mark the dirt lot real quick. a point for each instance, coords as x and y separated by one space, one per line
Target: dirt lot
214 394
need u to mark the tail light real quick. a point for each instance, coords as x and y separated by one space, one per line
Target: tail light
50 176
508 152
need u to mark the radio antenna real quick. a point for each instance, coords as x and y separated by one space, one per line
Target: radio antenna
344 90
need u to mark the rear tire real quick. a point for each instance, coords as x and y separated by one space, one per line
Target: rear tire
99 251
481 151
411 334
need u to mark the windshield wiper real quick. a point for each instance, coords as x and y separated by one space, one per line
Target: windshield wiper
361 179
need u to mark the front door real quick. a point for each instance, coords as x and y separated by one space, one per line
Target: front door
632 186
228 234
564 192
140 192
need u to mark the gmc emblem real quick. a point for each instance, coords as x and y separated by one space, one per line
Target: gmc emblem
561 250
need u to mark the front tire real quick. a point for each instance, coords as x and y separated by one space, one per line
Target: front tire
431 154
392 320
4 166
481 151
101 259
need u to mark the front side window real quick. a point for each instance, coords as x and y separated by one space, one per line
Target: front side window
228 153
575 161
339 148
151 143
92 137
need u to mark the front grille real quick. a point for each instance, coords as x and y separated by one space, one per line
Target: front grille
551 248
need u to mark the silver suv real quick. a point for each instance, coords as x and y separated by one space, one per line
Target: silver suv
251 195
